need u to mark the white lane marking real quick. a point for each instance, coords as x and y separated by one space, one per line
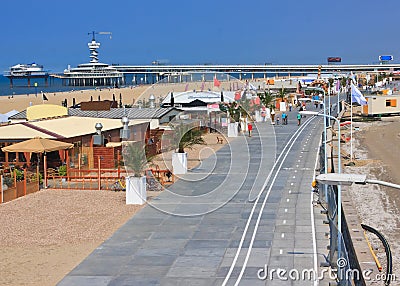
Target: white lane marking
284 221
290 191
283 235
294 177
291 184
285 210
281 251
295 136
287 200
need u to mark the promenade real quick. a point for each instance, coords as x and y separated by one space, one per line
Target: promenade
214 227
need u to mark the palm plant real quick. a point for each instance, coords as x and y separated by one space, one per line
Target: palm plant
282 93
187 137
135 157
266 98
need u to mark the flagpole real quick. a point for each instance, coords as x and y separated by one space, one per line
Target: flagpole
351 131
329 103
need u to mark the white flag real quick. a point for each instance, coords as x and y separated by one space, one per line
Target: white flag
356 96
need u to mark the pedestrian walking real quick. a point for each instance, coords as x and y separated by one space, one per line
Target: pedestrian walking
298 119
284 118
250 128
290 106
277 120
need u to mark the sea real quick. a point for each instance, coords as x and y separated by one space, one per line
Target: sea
21 86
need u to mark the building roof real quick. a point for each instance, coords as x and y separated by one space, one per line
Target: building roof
60 128
74 126
206 97
113 113
18 132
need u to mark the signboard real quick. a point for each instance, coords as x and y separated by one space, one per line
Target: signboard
334 60
385 58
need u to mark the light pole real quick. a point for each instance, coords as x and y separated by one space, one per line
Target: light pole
349 179
339 196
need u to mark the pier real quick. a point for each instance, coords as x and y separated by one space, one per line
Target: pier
28 77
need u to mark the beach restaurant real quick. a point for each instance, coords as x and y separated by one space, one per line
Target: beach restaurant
80 131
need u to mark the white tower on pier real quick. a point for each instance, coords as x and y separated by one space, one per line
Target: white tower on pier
93 46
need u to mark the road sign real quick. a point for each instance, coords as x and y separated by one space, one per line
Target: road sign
386 58
334 60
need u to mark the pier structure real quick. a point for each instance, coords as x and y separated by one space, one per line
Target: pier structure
93 73
150 74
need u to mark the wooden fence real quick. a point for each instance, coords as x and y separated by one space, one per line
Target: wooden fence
11 188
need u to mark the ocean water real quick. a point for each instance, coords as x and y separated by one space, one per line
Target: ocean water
21 86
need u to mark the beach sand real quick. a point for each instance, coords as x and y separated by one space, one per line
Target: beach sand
377 152
21 102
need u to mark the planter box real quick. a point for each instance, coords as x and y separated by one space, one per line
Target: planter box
179 163
136 193
233 129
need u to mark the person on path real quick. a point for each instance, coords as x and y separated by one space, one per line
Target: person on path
273 116
284 118
298 119
250 128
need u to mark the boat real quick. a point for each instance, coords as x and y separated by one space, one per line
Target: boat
26 70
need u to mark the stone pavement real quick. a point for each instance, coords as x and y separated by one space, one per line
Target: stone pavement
189 234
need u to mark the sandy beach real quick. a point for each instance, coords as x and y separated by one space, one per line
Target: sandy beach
377 152
21 102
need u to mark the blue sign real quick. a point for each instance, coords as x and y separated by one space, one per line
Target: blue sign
386 58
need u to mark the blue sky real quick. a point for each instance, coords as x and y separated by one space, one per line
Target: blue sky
54 33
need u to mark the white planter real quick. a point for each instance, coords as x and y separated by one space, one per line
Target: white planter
136 190
267 113
233 129
282 106
179 163
257 116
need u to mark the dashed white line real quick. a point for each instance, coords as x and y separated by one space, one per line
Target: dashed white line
284 221
285 210
281 251
287 200
283 235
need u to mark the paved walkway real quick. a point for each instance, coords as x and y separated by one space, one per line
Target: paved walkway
189 235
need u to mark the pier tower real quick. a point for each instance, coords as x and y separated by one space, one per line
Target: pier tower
93 73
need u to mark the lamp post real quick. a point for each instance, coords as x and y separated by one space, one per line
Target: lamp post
349 179
339 196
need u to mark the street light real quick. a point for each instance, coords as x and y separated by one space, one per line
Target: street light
349 179
339 196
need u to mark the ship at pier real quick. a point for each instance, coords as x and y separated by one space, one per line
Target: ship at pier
93 73
26 71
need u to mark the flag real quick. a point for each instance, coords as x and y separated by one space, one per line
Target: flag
217 83
356 96
44 97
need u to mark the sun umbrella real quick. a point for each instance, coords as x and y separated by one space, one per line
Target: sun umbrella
38 145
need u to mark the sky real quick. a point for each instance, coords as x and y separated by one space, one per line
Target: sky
55 33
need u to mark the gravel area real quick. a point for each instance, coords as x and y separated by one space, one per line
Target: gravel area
46 234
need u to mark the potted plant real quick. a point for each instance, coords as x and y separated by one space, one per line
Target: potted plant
135 164
234 110
185 137
266 99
